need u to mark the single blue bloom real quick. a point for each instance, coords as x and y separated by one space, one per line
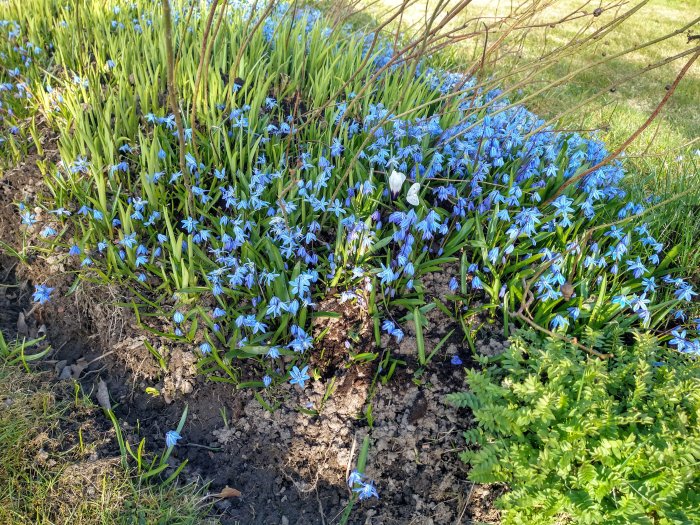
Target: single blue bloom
456 360
454 285
366 491
218 312
679 339
354 478
190 224
171 438
28 218
559 321
42 294
685 293
299 377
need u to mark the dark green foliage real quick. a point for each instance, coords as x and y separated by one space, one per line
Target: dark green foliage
582 440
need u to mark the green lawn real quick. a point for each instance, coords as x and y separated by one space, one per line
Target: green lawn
616 114
51 471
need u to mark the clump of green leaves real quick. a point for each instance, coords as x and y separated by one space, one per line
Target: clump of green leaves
583 440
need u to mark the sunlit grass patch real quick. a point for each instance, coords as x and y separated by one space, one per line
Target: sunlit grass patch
52 470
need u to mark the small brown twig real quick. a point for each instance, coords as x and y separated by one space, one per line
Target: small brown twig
173 98
201 67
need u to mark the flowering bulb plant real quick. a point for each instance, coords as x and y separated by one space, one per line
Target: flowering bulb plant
294 184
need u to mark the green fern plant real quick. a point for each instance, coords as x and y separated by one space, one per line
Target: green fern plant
583 440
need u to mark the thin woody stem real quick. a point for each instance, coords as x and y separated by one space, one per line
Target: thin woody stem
201 67
632 137
173 98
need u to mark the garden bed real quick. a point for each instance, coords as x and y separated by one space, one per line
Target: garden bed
297 264
290 466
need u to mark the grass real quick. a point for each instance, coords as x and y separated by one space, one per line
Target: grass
616 114
50 469
665 159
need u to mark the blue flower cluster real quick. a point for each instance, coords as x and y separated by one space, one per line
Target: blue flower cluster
368 208
364 489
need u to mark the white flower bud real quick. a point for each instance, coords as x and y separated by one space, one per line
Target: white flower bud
412 196
396 180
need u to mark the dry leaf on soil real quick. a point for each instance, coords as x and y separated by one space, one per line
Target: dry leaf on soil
227 492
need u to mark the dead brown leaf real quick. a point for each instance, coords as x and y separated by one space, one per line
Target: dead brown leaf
22 328
227 492
78 367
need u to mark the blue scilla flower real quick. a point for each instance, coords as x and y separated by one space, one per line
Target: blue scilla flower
649 284
386 274
42 294
559 322
685 293
456 360
28 218
218 312
129 240
621 300
274 307
178 317
171 438
355 478
299 377
205 348
48 232
493 255
190 224
639 303
637 267
302 341
267 380
366 491
679 339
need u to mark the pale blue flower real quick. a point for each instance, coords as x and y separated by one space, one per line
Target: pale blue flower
366 491
299 377
171 438
42 294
